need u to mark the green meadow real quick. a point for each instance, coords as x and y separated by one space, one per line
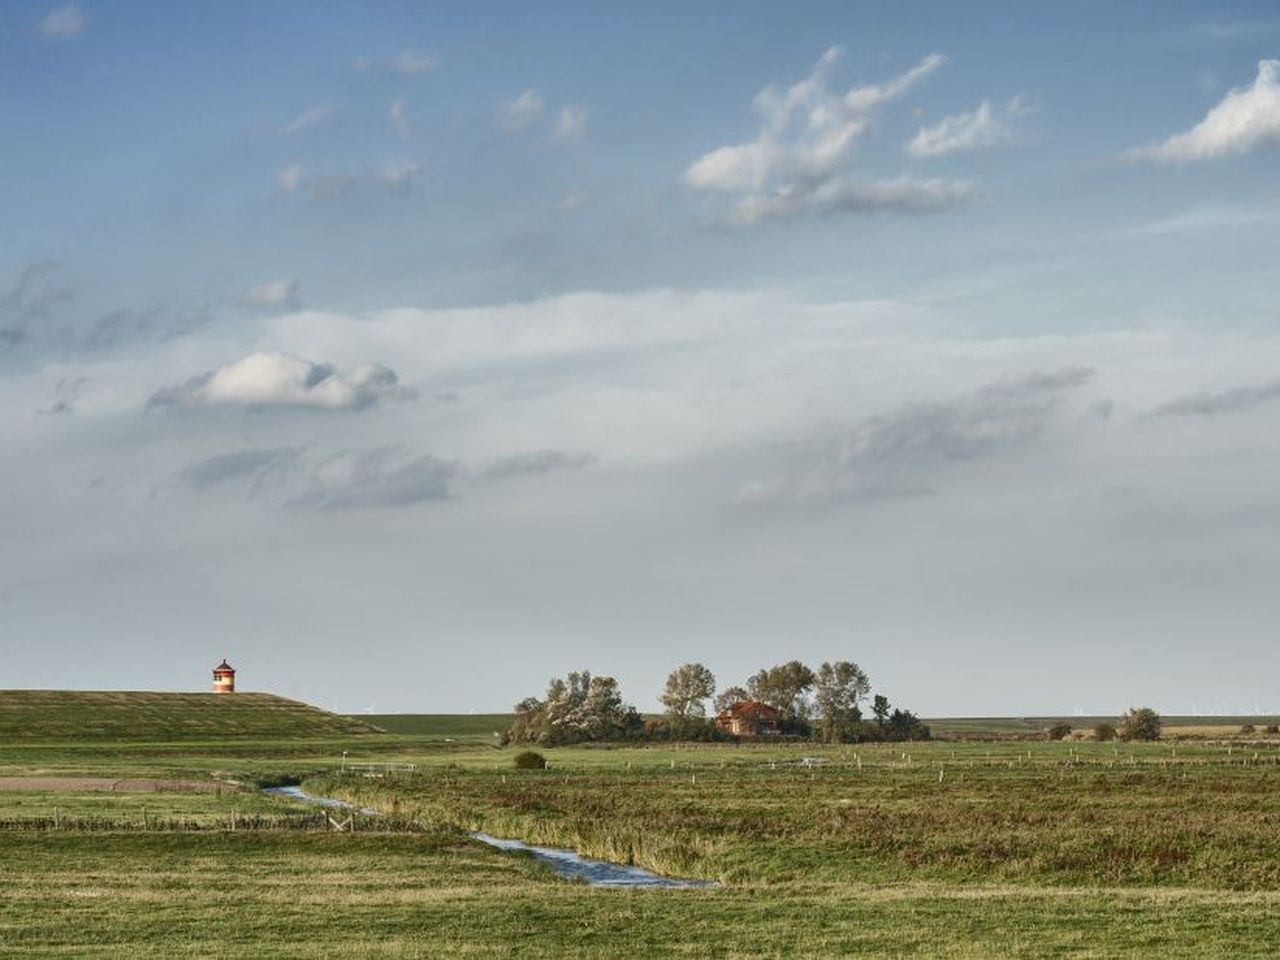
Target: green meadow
946 849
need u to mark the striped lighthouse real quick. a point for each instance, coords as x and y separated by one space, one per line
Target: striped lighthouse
224 678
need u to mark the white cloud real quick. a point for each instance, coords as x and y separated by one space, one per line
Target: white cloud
270 379
1203 218
290 178
798 162
63 22
903 194
1207 404
572 122
411 63
396 177
978 129
522 111
574 199
537 461
274 293
408 63
311 117
399 114
896 454
1247 118
378 478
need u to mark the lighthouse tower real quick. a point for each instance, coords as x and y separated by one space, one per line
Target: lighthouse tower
224 678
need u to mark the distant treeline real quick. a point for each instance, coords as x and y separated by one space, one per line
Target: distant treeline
822 705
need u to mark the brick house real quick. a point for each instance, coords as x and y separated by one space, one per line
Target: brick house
749 718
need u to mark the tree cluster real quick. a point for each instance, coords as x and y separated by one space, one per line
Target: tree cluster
823 704
576 709
1140 723
826 704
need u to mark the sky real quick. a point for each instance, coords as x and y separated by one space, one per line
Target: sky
407 355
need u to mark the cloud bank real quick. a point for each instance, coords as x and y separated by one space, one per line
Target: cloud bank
897 454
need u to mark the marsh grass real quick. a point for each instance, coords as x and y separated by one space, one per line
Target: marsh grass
1147 817
252 895
948 850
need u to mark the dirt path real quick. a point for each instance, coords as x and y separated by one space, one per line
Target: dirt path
126 785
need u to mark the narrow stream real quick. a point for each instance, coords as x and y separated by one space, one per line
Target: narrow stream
566 863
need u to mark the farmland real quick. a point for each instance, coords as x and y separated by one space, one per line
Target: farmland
957 849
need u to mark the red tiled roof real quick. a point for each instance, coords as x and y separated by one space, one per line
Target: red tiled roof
224 667
746 709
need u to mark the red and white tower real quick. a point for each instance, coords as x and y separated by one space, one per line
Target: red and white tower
224 678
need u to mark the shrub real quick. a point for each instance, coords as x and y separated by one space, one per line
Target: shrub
1104 731
1140 723
1273 728
1059 731
1248 728
530 760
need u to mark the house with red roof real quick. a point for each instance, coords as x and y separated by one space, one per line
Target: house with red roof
749 718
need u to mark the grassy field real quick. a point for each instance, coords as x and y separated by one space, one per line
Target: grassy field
483 726
253 894
943 849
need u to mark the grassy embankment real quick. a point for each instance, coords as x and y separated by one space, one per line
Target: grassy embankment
1019 849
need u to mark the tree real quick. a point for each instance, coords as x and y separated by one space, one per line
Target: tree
1140 723
687 690
1104 731
605 716
784 687
1059 731
528 722
905 725
577 707
838 689
880 707
728 697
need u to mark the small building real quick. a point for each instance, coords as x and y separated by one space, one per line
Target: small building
749 718
224 678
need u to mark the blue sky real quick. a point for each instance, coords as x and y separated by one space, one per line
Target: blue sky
548 333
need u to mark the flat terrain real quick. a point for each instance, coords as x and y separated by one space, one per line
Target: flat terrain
985 849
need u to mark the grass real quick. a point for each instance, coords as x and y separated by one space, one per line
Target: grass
131 808
987 849
1042 814
34 715
472 726
250 895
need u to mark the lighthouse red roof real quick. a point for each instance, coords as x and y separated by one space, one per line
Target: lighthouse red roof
224 666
